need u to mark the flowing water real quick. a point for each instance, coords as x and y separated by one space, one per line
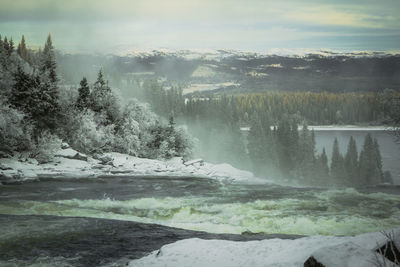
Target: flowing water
208 205
79 235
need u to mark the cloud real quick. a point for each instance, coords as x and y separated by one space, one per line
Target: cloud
255 24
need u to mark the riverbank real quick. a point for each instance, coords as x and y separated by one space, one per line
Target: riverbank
68 163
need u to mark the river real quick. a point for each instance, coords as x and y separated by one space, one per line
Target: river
191 204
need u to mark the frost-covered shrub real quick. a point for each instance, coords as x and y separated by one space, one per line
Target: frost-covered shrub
184 143
47 145
89 135
15 134
137 118
167 141
127 139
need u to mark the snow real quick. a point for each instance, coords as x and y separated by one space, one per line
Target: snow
328 250
65 166
199 87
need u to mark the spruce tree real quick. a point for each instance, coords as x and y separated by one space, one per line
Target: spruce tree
370 162
30 95
22 51
102 100
11 46
48 63
378 158
257 146
83 95
305 161
337 165
6 45
287 142
351 162
323 166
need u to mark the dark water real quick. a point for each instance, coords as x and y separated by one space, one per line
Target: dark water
88 241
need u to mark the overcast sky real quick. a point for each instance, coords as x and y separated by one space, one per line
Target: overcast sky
250 25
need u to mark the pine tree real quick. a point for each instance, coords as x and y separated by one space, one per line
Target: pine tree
83 95
351 162
337 165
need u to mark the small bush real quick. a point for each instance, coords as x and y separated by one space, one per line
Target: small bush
47 145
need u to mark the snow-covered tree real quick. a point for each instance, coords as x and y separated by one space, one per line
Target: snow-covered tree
102 99
15 132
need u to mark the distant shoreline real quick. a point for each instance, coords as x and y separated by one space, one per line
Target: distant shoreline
338 128
347 128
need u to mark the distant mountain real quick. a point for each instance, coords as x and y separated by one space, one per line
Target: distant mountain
249 72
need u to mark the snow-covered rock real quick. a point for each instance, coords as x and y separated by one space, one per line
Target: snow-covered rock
331 251
346 254
69 153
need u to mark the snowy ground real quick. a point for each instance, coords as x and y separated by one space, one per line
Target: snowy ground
328 250
115 164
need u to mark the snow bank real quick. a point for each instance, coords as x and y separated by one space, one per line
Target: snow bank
328 250
69 163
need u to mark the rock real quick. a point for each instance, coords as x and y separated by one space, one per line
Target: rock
65 145
69 153
79 156
390 251
105 160
4 168
98 167
192 162
312 262
344 254
4 154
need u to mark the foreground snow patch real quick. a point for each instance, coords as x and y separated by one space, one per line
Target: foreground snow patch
328 250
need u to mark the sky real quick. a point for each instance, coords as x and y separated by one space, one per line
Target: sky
246 25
